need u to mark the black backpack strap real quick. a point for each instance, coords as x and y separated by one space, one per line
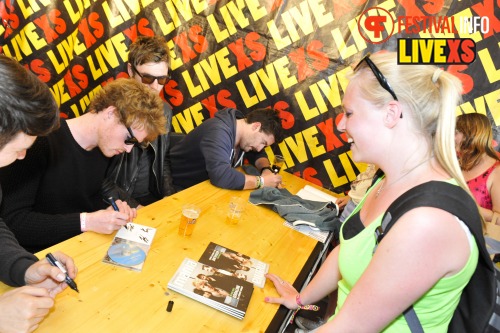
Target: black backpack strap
436 194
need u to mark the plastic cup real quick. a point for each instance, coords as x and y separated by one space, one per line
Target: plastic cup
189 216
235 210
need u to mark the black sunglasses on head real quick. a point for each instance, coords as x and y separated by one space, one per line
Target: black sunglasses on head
148 79
378 74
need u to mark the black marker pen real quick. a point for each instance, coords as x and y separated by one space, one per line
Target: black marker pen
54 262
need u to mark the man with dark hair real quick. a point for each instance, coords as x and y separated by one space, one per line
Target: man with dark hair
213 149
27 110
144 173
57 191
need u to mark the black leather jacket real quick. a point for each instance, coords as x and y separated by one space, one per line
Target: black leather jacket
124 168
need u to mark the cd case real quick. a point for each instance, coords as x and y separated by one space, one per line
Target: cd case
130 246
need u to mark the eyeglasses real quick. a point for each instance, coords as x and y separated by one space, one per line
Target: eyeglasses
133 140
378 74
148 79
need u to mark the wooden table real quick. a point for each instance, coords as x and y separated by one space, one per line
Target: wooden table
114 299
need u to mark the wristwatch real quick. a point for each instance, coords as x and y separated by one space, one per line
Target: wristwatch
264 168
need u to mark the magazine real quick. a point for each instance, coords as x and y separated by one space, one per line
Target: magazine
230 262
130 246
202 283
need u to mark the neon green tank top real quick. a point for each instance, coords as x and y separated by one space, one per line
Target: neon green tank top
434 309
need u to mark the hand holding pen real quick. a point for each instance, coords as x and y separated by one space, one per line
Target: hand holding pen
41 274
123 207
113 204
54 262
107 221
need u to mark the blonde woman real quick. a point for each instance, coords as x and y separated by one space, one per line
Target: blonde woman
402 119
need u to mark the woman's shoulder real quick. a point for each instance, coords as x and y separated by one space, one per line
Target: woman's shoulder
484 168
495 171
427 230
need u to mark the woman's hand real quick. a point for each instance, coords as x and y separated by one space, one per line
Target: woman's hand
286 291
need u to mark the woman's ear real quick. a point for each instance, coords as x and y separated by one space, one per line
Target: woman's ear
393 114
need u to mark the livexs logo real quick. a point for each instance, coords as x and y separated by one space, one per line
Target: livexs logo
437 51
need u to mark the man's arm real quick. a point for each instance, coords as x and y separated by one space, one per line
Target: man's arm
217 151
261 163
14 260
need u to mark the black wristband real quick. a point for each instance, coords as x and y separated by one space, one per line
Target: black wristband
264 168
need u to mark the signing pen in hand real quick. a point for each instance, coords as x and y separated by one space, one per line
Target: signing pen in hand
113 204
54 262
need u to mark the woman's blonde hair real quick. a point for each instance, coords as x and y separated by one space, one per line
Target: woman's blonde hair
430 95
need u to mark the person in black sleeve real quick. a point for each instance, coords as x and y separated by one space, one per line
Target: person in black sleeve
27 110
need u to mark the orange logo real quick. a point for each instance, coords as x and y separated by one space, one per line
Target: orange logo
376 25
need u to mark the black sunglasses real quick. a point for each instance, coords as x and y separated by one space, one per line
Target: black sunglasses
378 74
133 140
148 79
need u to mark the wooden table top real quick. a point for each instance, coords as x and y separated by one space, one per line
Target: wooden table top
115 299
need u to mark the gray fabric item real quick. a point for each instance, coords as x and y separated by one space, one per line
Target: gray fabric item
293 208
348 209
492 245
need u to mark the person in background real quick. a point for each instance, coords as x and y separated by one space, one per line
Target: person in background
27 110
402 119
144 173
358 190
215 148
56 192
479 162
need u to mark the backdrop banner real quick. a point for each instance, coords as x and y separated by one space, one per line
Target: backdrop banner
292 56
